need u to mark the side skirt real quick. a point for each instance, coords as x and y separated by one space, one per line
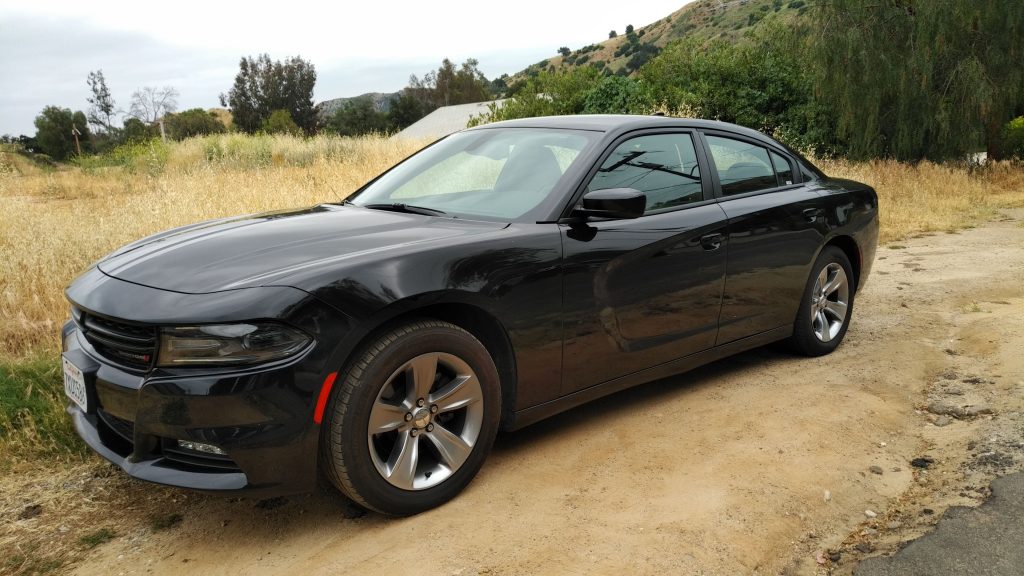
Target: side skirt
524 418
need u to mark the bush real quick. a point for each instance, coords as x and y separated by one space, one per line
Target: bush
194 122
617 95
1013 138
280 122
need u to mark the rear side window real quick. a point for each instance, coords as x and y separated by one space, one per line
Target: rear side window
742 167
783 169
662 166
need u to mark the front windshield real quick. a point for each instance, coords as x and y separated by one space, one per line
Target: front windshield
500 173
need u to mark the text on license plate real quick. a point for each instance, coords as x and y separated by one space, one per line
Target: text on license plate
74 385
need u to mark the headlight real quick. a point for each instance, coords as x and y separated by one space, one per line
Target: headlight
229 344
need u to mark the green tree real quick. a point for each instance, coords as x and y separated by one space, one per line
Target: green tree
450 85
196 122
101 104
613 34
280 122
55 129
136 130
358 116
405 110
564 51
761 83
920 79
547 94
264 86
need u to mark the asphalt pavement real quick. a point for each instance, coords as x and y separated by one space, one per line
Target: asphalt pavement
987 540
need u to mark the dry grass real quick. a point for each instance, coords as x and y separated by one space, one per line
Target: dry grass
930 197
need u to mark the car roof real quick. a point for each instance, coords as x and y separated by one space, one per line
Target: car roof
615 124
620 123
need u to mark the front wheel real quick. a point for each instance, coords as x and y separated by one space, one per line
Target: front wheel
826 306
413 419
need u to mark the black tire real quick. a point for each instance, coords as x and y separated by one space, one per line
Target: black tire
381 379
809 335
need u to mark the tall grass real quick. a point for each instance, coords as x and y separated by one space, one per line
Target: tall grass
55 222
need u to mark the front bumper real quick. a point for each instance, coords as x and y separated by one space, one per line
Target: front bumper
261 417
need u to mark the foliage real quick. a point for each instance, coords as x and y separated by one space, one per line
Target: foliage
136 157
149 103
135 130
32 408
617 95
918 80
449 85
101 103
359 116
1013 138
547 94
280 122
263 86
613 34
760 84
405 110
54 128
192 122
564 51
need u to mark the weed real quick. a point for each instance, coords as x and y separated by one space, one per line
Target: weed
32 419
29 562
158 522
94 539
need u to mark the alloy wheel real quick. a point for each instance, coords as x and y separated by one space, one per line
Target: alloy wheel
830 299
425 421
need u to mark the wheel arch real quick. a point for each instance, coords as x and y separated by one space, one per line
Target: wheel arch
483 325
849 247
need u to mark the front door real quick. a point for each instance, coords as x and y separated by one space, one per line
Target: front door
637 293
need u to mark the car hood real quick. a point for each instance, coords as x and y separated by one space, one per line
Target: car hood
264 249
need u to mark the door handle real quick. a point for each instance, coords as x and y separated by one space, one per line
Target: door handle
812 214
711 241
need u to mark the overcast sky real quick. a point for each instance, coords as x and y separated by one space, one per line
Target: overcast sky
47 48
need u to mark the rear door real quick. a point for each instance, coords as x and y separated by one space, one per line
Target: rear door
641 292
775 226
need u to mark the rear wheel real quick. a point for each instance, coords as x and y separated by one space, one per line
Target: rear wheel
826 306
413 419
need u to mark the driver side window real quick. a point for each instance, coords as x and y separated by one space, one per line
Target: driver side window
662 166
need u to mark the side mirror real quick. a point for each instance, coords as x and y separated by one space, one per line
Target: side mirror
614 203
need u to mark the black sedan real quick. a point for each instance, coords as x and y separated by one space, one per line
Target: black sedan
499 276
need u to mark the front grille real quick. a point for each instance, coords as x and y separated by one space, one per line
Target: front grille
132 346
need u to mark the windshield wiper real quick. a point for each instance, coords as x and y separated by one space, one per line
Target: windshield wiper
407 208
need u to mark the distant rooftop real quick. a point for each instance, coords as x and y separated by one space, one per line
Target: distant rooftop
445 120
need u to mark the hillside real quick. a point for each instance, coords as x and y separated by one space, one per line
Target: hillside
381 103
703 19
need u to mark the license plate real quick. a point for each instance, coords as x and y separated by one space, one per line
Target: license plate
74 385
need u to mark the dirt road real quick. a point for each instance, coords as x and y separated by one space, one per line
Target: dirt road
759 464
